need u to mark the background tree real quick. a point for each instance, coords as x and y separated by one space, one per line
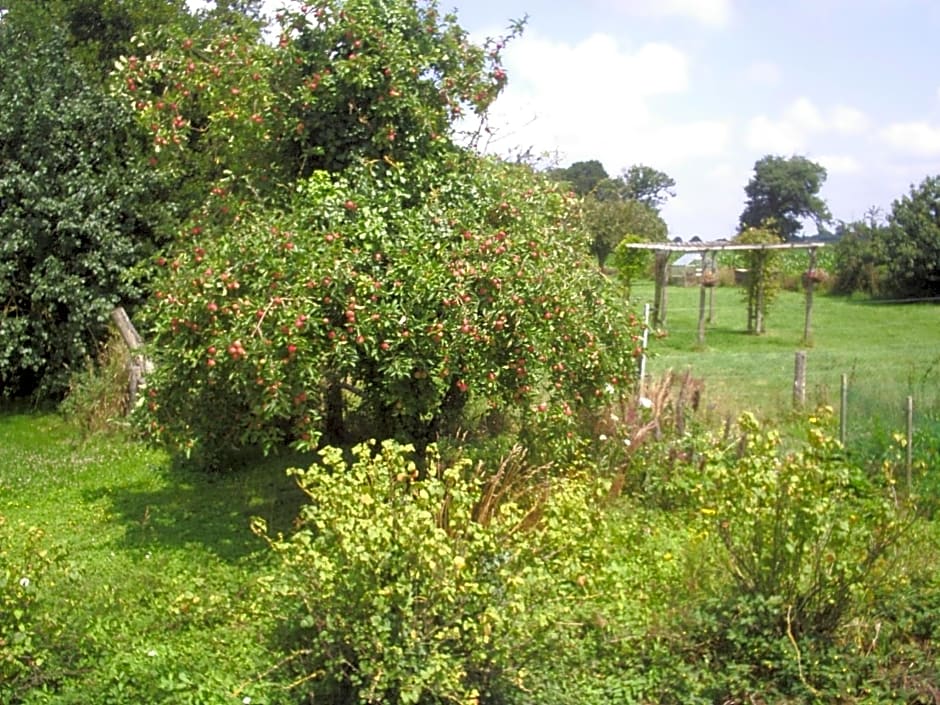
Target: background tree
75 213
787 191
912 242
582 176
647 185
609 221
859 255
614 208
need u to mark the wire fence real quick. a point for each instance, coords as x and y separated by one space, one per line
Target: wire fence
882 370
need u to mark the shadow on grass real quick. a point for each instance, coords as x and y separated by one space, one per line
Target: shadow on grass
194 509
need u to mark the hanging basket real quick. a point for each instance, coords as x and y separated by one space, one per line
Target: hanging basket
709 279
814 276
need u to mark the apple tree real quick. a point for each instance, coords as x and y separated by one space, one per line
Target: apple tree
355 313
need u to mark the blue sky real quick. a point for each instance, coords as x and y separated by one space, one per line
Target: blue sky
701 89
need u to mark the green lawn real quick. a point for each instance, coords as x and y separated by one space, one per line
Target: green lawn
136 567
888 351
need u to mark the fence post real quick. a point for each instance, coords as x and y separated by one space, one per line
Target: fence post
799 379
843 408
139 365
910 443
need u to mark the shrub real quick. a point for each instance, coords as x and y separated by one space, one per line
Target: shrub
74 215
801 535
368 309
392 590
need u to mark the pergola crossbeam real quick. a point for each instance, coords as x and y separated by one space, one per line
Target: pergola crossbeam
663 251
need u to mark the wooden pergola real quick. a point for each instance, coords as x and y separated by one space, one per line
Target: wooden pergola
664 251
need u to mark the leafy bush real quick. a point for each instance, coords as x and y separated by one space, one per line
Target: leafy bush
392 589
357 313
800 535
73 215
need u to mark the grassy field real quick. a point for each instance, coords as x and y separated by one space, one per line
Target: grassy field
138 569
148 582
888 351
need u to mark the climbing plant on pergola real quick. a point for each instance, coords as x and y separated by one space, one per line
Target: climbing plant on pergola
709 250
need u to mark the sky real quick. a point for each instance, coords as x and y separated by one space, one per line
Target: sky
702 89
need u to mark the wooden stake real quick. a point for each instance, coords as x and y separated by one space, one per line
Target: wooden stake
910 443
799 379
843 409
701 302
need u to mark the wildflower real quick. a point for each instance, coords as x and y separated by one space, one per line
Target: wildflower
24 582
152 653
246 700
602 437
646 403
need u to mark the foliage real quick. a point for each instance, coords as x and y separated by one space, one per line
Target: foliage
394 592
582 176
630 264
24 564
476 292
912 242
75 215
785 190
157 592
347 81
647 185
761 270
610 221
859 258
807 528
95 32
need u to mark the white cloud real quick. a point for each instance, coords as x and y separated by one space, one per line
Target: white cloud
914 138
805 116
839 163
774 136
849 121
713 13
594 100
801 121
764 73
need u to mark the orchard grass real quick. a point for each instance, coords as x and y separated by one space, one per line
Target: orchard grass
151 587
148 570
887 350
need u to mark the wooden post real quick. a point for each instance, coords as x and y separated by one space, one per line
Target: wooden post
711 290
139 366
701 302
810 285
910 444
843 409
131 337
661 268
799 379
